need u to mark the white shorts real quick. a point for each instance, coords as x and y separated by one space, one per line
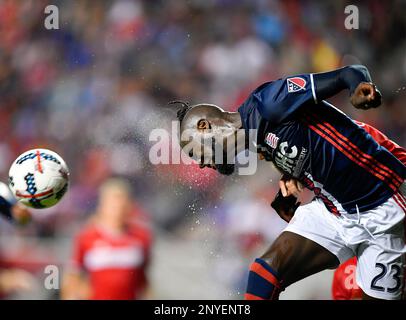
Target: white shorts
376 237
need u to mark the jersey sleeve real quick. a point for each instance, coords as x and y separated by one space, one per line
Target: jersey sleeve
278 100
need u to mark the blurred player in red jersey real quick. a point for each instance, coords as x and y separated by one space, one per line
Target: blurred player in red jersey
344 285
111 253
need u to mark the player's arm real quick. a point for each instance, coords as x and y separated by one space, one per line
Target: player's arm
15 280
145 289
16 212
285 206
75 285
355 78
285 202
277 101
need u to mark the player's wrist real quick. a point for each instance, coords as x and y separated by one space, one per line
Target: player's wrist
353 75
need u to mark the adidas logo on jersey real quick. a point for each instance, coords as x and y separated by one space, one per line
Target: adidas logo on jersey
296 84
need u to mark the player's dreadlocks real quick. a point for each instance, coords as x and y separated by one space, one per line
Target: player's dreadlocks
183 110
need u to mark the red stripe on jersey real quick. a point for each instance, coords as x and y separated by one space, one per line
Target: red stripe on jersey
350 156
384 141
249 296
378 174
318 192
358 152
399 204
366 155
404 268
382 175
400 201
402 197
348 149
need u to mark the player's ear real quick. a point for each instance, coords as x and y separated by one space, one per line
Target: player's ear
203 124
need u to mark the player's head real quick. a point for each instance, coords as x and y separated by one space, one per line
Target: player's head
115 201
208 135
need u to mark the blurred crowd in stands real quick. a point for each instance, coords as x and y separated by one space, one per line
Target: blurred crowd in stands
95 88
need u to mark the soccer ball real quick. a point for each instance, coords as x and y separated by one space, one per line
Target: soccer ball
39 178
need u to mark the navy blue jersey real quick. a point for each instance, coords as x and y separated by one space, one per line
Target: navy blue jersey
320 146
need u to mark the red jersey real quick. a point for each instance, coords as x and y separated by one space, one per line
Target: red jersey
344 285
115 263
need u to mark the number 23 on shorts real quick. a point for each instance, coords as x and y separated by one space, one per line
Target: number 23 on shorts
396 272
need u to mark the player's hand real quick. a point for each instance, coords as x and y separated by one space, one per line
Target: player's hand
366 96
21 214
290 187
285 206
16 280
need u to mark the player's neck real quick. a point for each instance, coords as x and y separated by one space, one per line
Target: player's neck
241 137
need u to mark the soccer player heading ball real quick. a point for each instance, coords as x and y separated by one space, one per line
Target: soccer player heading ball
358 209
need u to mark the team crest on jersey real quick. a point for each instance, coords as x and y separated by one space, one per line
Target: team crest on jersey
271 140
296 84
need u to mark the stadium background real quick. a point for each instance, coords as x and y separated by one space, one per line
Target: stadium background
94 89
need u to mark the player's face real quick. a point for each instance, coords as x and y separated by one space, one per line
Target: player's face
115 205
210 153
